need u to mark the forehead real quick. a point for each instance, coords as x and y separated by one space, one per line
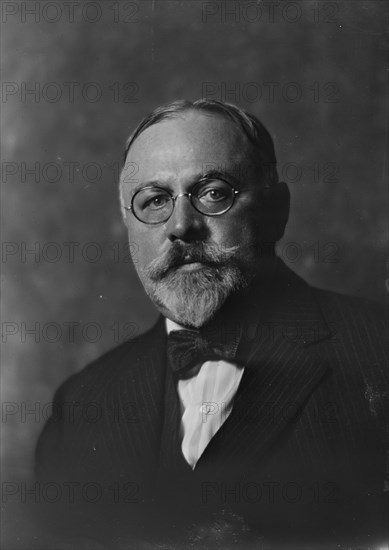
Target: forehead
190 142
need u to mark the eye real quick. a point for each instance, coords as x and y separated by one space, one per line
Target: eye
214 192
152 199
159 201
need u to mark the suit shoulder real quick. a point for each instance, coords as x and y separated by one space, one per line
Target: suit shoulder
360 335
353 310
115 364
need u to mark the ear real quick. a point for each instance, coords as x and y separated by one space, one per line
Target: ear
277 199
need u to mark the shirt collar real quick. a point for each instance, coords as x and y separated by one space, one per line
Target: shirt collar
171 325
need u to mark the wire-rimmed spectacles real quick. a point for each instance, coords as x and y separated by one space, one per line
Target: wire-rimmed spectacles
154 204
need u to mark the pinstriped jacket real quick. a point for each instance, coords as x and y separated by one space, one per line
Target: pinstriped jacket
302 455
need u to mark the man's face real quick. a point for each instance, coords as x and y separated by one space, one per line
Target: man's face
191 263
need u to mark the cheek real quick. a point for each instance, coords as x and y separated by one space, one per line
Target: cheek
143 249
236 231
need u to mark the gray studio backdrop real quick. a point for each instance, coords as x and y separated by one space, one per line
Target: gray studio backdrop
77 77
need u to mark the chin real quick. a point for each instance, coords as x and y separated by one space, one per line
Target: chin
192 298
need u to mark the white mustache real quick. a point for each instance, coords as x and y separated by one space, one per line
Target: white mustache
209 254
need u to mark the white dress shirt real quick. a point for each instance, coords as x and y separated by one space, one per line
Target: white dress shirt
206 402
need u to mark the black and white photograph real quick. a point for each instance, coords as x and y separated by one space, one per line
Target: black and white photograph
195 275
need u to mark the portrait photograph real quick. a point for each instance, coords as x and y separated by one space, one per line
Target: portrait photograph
195 275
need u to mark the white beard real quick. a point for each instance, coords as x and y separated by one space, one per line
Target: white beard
193 298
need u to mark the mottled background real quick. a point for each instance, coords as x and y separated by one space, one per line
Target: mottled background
314 73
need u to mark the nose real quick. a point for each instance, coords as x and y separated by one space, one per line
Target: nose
185 223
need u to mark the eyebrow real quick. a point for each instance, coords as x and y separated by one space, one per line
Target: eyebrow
217 174
198 178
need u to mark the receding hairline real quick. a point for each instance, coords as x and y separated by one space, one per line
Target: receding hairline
248 124
186 114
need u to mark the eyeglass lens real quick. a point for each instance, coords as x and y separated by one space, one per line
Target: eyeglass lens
155 204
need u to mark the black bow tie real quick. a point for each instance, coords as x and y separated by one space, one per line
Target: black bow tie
188 348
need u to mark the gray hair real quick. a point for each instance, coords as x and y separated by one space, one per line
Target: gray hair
251 127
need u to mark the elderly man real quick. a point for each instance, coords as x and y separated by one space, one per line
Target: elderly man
255 405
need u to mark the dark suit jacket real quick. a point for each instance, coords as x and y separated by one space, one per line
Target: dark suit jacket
301 457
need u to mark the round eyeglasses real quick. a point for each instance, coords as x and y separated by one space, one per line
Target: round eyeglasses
154 204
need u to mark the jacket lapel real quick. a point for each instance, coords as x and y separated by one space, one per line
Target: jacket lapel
282 369
133 430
